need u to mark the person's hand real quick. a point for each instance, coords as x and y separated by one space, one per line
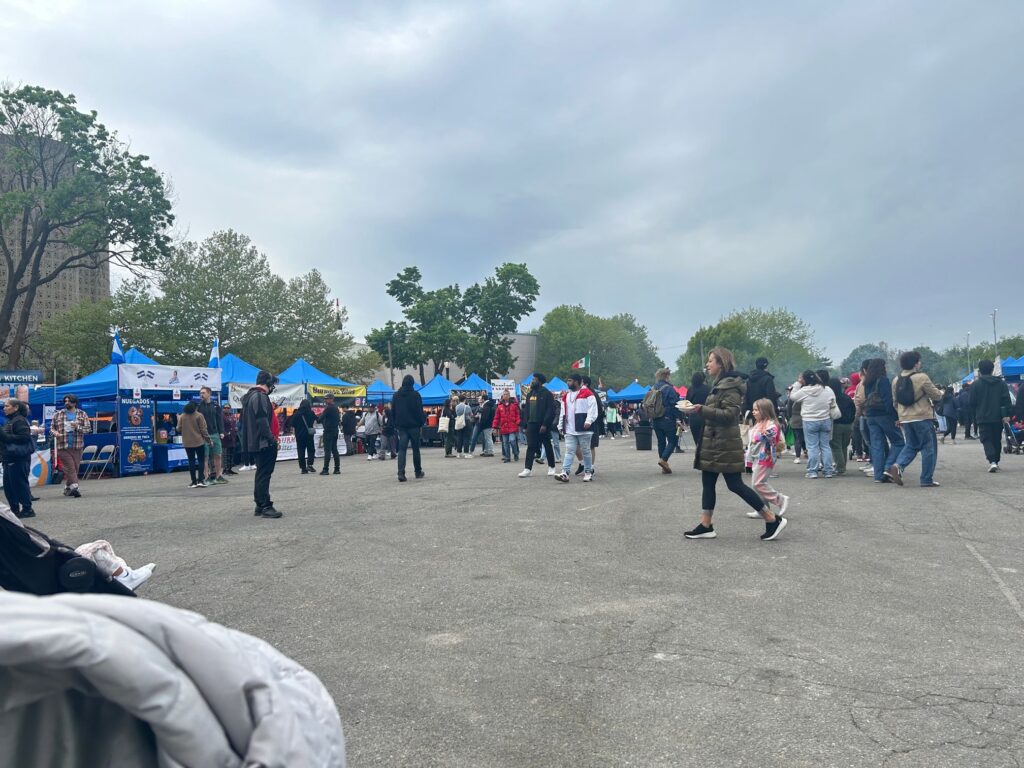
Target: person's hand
586 426
222 436
543 430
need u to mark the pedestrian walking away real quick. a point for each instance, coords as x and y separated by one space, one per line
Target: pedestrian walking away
990 406
195 436
331 419
875 398
261 432
230 438
842 428
540 412
951 412
720 452
407 411
69 428
16 448
304 428
914 395
659 406
766 440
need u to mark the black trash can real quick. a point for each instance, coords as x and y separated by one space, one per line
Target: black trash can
642 435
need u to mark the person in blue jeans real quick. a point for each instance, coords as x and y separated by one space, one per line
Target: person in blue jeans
915 409
818 409
665 426
881 415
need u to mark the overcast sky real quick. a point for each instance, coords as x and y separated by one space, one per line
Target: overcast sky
860 163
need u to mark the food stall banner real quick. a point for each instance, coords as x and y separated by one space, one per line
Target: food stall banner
503 385
283 396
135 435
167 377
343 396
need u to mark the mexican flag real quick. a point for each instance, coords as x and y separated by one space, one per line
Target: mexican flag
583 362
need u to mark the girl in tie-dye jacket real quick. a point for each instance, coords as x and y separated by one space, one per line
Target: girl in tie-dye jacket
766 440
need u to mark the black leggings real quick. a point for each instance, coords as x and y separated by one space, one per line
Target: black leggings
196 463
734 482
799 445
950 427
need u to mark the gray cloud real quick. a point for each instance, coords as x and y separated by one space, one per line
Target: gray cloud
858 163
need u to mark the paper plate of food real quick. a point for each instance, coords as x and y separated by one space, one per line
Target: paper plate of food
685 405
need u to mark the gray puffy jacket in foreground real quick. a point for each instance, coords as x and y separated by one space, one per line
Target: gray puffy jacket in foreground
90 680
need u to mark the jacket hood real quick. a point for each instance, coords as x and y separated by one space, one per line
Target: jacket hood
760 375
854 379
731 380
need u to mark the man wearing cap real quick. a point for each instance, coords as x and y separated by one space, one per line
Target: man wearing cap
577 418
540 413
330 417
260 431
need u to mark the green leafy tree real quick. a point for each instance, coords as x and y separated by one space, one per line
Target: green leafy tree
852 362
618 346
394 344
775 333
72 197
360 366
492 313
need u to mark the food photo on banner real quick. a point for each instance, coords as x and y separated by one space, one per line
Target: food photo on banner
135 435
283 396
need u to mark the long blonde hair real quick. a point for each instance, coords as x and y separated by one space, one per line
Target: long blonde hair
767 410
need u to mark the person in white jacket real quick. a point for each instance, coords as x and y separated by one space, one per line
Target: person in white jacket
577 414
818 409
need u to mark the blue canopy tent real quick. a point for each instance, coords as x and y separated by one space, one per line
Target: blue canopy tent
1013 369
435 391
235 369
98 385
557 385
634 393
379 393
472 383
301 372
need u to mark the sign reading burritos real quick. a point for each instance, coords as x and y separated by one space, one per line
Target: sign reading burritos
345 396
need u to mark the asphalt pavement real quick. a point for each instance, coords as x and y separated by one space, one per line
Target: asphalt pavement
476 619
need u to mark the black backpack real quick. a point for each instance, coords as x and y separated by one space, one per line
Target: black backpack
905 390
874 401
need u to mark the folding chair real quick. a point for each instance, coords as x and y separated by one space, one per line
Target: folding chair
103 460
88 456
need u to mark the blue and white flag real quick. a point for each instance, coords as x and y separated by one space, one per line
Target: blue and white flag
214 354
117 352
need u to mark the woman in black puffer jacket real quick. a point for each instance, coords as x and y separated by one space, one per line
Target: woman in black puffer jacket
16 446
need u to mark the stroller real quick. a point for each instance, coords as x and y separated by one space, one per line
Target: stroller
31 561
1012 431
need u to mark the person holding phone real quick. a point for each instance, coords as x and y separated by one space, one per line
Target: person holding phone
69 428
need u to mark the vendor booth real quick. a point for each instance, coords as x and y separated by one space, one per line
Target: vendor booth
379 393
319 384
634 393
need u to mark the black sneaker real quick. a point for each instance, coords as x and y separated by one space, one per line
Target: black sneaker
702 532
420 475
75 493
269 511
774 528
258 512
402 478
23 514
579 470
337 470
325 471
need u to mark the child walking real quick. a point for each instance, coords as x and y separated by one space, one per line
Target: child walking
766 438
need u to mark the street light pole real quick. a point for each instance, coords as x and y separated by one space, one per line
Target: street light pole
969 368
995 352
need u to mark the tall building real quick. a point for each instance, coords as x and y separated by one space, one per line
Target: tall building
70 287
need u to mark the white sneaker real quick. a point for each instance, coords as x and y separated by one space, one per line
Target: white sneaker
753 515
587 477
993 467
552 472
526 473
796 460
785 505
469 456
133 578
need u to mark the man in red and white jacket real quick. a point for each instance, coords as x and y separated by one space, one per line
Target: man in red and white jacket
577 414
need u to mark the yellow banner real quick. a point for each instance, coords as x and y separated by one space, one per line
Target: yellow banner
320 390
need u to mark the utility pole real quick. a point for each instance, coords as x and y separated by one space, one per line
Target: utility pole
391 364
995 351
969 368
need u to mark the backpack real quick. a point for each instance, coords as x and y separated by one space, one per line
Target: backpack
653 404
874 401
905 390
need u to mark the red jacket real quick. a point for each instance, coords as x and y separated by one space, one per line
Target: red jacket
506 417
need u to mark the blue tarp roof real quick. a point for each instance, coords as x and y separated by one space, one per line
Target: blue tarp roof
557 385
301 372
633 393
96 386
379 392
473 383
435 391
235 369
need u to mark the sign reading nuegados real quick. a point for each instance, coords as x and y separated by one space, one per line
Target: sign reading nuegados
135 432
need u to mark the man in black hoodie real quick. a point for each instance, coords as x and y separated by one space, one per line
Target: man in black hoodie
407 411
330 417
259 439
990 402
761 384
539 413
